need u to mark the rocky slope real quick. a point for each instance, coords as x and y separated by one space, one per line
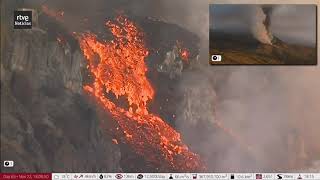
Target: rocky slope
244 49
46 124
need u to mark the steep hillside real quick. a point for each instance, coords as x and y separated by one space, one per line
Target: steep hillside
244 49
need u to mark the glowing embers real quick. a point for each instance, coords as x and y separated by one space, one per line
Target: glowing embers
118 66
183 52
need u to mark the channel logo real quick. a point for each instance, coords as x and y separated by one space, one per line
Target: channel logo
22 20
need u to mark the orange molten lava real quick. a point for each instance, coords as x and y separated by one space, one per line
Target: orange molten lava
119 67
184 54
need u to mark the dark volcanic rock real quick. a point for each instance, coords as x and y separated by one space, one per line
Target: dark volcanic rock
46 124
245 49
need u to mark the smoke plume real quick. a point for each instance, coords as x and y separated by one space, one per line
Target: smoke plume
261 24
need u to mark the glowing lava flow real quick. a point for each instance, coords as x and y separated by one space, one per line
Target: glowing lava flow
118 66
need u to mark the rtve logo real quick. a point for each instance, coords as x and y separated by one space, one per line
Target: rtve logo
22 20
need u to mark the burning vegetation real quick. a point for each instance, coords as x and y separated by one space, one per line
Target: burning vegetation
119 67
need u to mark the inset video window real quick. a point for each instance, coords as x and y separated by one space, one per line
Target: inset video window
254 34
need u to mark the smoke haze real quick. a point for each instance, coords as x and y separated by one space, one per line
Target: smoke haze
265 106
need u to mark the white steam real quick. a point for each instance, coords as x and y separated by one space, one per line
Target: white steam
258 27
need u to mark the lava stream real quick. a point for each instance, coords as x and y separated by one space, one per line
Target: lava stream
118 66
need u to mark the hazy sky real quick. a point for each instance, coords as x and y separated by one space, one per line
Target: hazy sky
291 23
